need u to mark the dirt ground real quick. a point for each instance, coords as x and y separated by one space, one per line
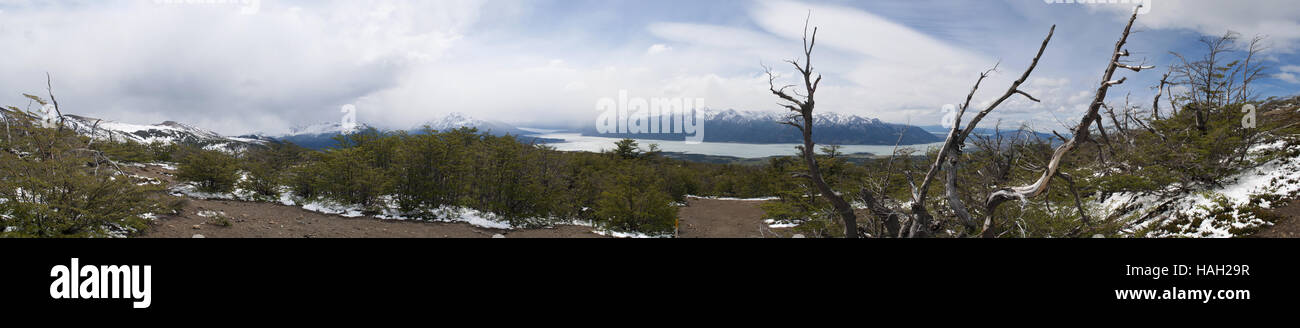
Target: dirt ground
701 218
1289 227
266 220
708 218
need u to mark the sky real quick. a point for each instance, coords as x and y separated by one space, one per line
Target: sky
246 66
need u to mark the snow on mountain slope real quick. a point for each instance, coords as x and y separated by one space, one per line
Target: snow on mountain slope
330 128
764 127
458 120
165 133
819 118
321 135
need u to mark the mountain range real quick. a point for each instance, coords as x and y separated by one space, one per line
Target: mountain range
757 127
458 120
165 133
318 136
942 132
321 135
720 126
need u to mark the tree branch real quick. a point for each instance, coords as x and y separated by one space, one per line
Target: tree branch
1080 133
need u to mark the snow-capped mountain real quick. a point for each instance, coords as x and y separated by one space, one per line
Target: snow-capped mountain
819 119
461 120
321 136
167 133
325 128
760 127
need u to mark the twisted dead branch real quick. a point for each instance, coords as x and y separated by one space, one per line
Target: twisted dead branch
1081 132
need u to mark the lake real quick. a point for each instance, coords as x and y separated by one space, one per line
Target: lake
578 142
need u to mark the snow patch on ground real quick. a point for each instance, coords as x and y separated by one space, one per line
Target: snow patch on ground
164 165
449 214
1211 213
347 211
618 234
772 223
191 191
286 199
145 180
473 217
211 214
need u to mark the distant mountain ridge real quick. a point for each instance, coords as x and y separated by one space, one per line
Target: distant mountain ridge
458 120
942 132
321 135
324 128
169 132
757 127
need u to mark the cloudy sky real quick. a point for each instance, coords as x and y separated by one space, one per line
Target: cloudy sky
264 66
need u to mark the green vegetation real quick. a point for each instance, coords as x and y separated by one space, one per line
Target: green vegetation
527 185
263 169
54 183
211 171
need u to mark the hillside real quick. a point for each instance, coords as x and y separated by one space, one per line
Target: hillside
166 133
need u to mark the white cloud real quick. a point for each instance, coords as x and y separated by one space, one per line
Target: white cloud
215 67
1289 74
658 48
1287 77
873 66
1277 19
403 62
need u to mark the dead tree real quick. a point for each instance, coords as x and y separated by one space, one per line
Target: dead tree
1160 90
1250 74
950 154
801 106
1081 133
49 87
1206 76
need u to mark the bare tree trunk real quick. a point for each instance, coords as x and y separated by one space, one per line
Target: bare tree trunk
1105 138
49 86
1249 75
1155 105
888 217
1078 203
803 120
954 199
